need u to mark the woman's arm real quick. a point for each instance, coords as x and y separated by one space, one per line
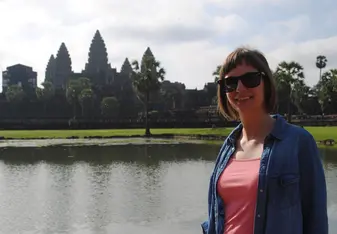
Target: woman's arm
313 188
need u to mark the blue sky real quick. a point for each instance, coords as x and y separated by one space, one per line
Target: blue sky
190 37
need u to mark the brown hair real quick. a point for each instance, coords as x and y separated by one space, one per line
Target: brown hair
253 58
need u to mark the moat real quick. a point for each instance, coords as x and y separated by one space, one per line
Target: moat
120 188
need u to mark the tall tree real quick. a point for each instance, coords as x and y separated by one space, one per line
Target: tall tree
333 74
45 94
146 79
301 93
86 99
14 93
321 61
216 73
73 90
79 91
288 76
326 89
109 107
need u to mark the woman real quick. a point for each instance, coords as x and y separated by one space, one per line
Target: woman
268 177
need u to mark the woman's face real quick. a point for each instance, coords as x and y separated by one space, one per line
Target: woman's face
248 94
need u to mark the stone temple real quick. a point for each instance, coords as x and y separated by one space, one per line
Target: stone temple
97 69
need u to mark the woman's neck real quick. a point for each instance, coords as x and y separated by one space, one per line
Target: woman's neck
257 126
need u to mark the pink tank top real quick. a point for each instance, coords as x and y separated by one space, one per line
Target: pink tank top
237 186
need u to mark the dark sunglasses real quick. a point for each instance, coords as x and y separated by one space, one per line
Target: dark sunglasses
249 80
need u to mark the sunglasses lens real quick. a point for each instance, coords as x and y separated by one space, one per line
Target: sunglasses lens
251 80
231 83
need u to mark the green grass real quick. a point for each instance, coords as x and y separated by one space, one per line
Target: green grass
319 133
106 132
322 133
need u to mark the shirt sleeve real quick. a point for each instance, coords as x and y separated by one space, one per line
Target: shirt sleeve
313 188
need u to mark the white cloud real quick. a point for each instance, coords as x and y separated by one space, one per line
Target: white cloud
230 24
237 4
279 33
189 39
305 53
192 63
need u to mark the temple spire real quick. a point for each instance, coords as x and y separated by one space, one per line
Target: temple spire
98 56
50 69
63 68
126 67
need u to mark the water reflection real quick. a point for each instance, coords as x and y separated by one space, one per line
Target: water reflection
116 189
148 154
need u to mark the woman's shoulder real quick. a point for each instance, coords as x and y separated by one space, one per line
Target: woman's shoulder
292 135
298 130
298 134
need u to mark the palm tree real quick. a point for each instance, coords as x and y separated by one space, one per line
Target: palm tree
74 89
109 107
146 79
72 92
288 76
333 73
216 73
45 94
325 87
321 61
86 99
14 95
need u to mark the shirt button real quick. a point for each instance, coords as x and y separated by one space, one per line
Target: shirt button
258 215
261 190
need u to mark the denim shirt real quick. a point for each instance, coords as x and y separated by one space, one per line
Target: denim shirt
291 195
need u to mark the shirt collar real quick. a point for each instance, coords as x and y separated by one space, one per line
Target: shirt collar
277 132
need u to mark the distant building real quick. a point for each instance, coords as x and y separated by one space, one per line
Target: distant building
97 68
20 75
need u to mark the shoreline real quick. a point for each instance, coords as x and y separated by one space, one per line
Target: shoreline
156 136
206 138
324 136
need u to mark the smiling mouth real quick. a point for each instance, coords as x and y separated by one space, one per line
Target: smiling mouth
243 98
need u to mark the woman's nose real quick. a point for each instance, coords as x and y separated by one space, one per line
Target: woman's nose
240 86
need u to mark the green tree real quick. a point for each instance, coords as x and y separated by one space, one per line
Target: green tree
85 83
14 93
288 76
333 75
301 93
326 89
321 62
45 94
79 91
73 90
86 99
216 73
109 107
146 79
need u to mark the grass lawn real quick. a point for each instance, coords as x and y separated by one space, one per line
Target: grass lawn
319 133
106 132
322 133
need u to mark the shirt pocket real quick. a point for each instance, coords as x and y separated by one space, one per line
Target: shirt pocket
283 191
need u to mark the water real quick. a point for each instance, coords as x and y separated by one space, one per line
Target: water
114 189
